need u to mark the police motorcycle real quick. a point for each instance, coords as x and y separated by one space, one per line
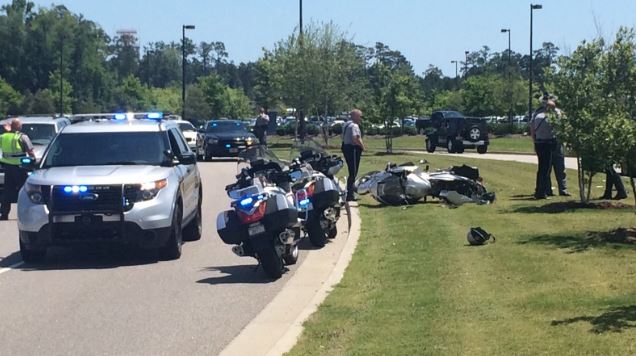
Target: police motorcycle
263 222
322 189
407 184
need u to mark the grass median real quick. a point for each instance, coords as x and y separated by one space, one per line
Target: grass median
513 144
553 283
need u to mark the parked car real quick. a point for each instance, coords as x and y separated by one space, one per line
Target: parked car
456 132
192 136
41 131
226 138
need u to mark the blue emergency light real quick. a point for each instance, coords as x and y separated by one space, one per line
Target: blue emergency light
227 145
75 189
120 116
155 115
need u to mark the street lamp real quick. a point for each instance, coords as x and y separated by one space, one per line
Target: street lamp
532 8
504 30
455 68
301 113
183 69
62 75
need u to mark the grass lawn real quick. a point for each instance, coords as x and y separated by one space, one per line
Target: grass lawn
551 284
377 143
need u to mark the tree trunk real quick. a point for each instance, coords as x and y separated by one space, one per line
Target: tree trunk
633 184
588 189
581 178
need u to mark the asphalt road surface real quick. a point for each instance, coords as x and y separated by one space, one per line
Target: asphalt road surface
87 301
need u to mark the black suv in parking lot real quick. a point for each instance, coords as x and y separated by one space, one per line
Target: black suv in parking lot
456 132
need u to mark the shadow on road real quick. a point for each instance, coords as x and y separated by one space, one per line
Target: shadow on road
237 274
90 257
614 320
581 242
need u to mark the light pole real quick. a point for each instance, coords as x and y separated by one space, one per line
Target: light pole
62 75
301 114
466 64
504 30
532 8
455 68
183 69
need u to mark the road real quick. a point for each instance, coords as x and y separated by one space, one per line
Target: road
570 162
89 301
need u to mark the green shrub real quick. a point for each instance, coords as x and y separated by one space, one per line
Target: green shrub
411 131
336 129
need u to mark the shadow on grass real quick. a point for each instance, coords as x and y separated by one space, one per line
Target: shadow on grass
614 320
528 197
615 239
391 154
561 207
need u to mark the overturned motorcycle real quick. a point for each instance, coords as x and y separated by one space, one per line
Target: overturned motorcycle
407 184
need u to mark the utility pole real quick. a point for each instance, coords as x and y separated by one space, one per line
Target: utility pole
62 75
183 69
455 68
466 64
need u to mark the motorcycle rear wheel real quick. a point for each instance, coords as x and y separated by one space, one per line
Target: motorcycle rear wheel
317 235
271 262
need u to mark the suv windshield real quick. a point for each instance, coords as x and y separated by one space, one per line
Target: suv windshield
39 134
112 148
186 127
221 126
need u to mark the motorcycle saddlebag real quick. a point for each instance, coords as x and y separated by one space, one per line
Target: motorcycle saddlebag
230 228
325 194
466 171
279 214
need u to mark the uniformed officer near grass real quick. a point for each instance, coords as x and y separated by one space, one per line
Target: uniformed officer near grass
545 143
352 147
14 146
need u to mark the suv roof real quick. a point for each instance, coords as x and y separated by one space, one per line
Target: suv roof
136 125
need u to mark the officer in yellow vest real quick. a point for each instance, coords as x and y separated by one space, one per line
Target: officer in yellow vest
14 145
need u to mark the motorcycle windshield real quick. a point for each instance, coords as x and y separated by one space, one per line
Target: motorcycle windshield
260 153
308 148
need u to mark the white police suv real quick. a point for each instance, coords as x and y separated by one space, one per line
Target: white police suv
121 180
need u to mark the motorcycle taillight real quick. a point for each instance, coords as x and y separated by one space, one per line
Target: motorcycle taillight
254 215
310 189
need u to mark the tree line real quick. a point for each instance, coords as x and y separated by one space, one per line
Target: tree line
53 59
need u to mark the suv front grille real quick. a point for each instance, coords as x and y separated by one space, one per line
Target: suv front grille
97 198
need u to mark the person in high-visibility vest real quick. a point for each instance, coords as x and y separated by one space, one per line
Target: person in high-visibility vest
14 145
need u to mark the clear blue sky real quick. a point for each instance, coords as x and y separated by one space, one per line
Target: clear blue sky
425 31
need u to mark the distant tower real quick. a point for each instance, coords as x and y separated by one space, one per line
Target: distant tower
129 37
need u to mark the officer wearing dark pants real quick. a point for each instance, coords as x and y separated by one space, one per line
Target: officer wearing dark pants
14 146
352 147
544 144
260 127
613 180
558 166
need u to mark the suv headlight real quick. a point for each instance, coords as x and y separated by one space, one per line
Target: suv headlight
145 191
213 140
249 141
34 192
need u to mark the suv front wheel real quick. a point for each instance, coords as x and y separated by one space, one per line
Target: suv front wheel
430 146
172 249
31 255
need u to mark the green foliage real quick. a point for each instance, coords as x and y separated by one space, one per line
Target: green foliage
166 99
596 87
9 99
131 95
67 90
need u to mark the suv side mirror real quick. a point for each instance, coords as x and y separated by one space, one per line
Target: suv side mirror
188 158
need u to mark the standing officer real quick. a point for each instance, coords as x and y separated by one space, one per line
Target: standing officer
544 144
260 128
352 147
14 145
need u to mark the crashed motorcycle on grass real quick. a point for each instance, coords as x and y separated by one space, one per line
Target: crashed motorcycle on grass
407 184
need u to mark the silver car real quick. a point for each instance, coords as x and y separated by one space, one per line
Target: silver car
41 130
127 181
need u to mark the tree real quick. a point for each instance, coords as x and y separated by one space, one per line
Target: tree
67 90
131 95
9 99
597 87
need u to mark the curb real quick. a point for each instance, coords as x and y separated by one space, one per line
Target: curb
276 329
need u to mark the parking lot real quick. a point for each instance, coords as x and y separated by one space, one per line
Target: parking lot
90 300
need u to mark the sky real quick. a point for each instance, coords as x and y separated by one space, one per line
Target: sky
425 31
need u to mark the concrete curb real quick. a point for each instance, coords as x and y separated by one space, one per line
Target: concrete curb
275 330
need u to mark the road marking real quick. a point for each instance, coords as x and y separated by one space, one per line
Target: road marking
15 265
